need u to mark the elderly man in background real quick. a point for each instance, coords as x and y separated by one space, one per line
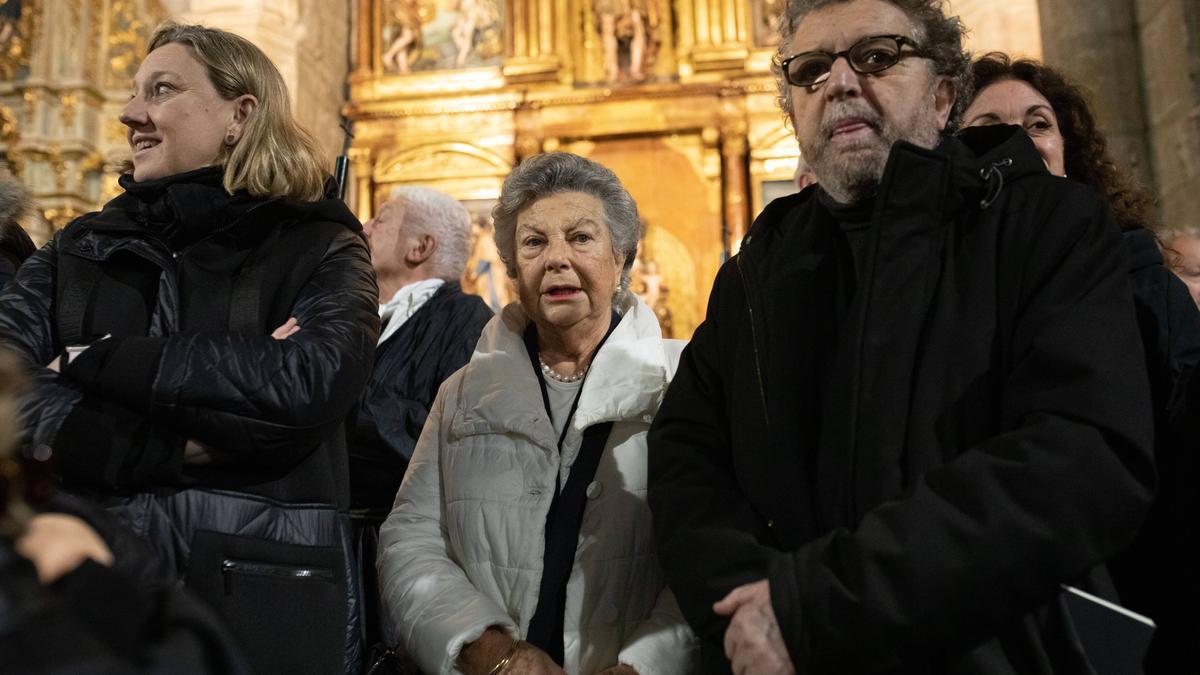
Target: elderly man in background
419 246
918 403
420 241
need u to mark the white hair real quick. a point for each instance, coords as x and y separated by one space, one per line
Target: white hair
428 211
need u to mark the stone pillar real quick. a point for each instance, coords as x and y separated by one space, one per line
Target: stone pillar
1096 43
1170 36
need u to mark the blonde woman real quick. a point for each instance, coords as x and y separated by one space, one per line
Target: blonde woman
196 345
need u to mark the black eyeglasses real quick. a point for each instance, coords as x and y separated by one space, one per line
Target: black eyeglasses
869 55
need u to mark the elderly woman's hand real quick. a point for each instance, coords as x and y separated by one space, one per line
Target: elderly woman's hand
483 655
530 659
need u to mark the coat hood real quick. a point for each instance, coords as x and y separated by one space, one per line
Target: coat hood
626 381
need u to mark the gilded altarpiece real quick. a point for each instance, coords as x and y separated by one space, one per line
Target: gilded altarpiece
66 67
675 96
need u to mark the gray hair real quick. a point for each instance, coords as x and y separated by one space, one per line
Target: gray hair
1167 235
428 211
14 199
940 38
554 172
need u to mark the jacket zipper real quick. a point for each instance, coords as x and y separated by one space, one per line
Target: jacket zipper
232 566
762 392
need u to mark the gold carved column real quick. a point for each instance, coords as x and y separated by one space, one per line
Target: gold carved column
713 36
734 165
535 42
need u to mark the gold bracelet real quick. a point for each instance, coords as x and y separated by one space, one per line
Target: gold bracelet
499 667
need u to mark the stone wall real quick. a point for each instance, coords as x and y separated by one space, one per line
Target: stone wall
1170 41
1141 61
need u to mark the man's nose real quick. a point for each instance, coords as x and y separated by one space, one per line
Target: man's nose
843 81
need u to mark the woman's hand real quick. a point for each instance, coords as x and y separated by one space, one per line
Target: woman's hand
288 329
482 655
57 543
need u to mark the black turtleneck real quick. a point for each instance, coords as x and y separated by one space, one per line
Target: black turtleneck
186 207
854 226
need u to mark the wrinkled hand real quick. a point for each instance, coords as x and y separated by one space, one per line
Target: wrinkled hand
288 329
530 659
753 642
480 656
57 543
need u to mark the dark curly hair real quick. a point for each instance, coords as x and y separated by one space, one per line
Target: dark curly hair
1085 150
940 37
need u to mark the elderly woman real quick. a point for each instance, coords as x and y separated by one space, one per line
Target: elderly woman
196 345
520 540
1056 115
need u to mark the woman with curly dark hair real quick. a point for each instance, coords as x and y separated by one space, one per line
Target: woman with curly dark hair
1057 115
1151 576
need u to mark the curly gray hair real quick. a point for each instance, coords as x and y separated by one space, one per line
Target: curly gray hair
554 172
940 37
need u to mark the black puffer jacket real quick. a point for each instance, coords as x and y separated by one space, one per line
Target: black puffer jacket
189 282
409 369
916 486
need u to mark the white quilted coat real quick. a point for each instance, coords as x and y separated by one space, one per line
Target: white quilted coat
462 549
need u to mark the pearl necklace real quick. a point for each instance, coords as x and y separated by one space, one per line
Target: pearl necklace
565 379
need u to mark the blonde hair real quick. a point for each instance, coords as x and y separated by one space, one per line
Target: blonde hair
275 156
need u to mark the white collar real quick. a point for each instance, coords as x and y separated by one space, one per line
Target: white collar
626 380
404 304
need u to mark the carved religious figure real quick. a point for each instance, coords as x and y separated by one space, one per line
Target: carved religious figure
485 275
629 22
647 283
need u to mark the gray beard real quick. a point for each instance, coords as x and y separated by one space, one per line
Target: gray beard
851 174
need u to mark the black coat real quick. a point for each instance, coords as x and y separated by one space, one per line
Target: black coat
409 368
1152 576
190 281
916 487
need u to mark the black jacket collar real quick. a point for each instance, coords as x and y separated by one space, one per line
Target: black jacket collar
965 171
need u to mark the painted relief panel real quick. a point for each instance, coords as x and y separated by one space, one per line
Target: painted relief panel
425 35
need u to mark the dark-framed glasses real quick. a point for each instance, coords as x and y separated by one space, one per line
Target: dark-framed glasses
869 55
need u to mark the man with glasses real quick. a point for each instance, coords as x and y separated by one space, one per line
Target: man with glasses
917 405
